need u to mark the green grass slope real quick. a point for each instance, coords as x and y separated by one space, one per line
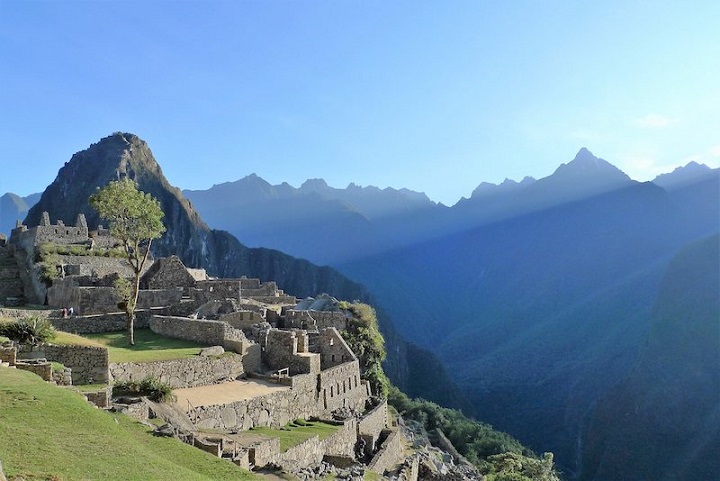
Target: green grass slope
48 432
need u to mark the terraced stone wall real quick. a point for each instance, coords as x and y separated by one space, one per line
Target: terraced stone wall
181 373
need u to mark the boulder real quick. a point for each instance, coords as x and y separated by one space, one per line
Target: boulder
212 351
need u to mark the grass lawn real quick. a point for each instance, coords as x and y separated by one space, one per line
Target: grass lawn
294 433
52 433
148 346
66 338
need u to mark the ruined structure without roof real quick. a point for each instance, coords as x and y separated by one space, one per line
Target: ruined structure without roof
289 362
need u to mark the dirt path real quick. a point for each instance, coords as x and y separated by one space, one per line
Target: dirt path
225 393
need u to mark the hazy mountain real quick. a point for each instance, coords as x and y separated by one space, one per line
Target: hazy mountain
585 176
14 208
682 176
187 236
315 221
662 422
539 314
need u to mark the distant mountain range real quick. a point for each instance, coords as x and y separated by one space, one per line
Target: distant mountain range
538 296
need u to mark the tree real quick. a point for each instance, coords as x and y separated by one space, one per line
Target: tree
135 219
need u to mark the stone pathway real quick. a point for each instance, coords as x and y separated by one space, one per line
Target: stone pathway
225 393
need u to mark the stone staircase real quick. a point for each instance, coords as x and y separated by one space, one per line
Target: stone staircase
11 286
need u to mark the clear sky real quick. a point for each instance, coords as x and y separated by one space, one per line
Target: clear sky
433 96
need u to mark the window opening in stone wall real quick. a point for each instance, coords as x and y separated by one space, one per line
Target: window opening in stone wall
331 391
332 357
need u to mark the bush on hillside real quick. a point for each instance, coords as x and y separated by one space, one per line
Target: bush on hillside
28 330
150 387
496 454
364 338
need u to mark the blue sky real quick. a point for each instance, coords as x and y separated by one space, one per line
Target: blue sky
432 96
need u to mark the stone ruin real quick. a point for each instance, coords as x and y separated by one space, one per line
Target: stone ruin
289 353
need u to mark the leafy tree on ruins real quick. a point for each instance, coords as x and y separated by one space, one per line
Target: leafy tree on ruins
135 219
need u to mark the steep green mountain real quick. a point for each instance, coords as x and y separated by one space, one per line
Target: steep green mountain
662 422
221 254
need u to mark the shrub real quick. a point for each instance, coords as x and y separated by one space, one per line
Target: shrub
150 387
28 330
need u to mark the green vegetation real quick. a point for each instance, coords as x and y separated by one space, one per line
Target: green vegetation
148 347
516 467
89 387
135 220
28 330
152 388
68 339
364 338
52 433
495 453
298 431
47 249
57 366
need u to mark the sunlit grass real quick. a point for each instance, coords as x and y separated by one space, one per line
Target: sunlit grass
296 432
49 432
148 346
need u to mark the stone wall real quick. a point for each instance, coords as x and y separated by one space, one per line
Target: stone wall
165 273
389 455
218 289
410 469
332 348
99 266
8 354
58 233
97 300
20 313
111 322
315 320
372 423
211 333
181 373
89 364
99 398
260 453
242 319
312 451
272 410
340 387
42 369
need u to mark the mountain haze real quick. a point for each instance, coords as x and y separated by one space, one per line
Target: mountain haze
662 421
537 295
315 221
14 208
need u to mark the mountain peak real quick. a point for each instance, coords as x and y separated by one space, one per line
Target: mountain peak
314 184
585 166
